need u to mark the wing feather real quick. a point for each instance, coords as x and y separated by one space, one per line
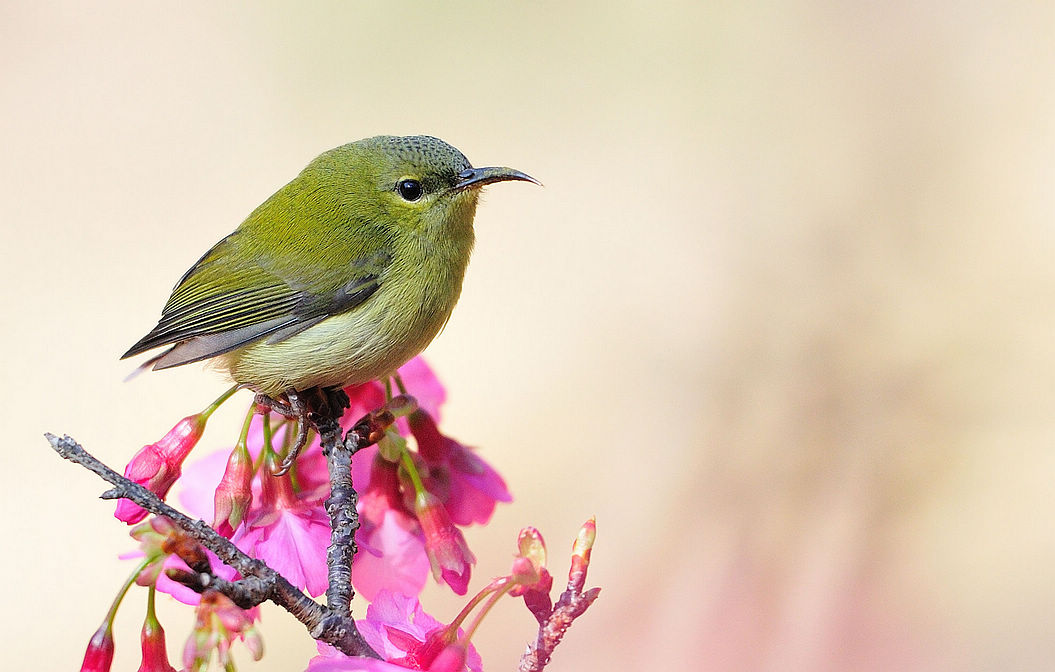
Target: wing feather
239 292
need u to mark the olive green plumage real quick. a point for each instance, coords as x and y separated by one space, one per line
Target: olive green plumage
340 277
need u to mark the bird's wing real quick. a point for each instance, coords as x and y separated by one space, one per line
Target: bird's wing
240 292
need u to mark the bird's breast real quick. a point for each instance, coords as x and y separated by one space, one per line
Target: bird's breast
415 298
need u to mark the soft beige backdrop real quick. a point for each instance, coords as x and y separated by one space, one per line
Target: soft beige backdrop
781 317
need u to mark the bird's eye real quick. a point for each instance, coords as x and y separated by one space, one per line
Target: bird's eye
410 190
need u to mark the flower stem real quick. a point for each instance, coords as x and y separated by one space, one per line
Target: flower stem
412 471
498 594
219 401
269 435
243 437
399 383
124 588
497 584
151 614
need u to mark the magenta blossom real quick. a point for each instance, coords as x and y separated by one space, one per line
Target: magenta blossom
421 383
391 556
288 530
218 623
468 486
448 553
402 633
234 494
391 548
290 533
158 465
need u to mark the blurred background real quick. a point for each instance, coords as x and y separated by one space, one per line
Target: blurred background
781 317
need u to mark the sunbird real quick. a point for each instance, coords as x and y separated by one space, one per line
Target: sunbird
340 277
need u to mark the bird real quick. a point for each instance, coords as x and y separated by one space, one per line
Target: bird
339 278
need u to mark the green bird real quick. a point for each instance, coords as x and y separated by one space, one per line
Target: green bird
340 277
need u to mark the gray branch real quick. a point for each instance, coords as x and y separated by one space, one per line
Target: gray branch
323 623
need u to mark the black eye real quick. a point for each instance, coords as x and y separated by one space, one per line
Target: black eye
410 190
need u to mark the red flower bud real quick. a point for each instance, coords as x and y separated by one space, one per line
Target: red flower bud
448 553
158 465
100 652
155 655
234 494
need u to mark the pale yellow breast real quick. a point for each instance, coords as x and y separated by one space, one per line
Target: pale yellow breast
416 296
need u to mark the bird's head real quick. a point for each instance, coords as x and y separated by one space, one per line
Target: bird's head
418 182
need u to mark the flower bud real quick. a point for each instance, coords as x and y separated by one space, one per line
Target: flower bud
580 550
402 405
155 655
100 652
158 465
234 494
445 546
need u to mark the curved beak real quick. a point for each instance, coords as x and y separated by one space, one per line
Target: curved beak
474 178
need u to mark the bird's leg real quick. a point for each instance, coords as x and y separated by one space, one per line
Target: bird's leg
298 411
295 409
319 408
272 404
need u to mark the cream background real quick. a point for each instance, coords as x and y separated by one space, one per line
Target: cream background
781 317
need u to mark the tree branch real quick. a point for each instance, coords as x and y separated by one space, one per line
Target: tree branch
323 623
573 603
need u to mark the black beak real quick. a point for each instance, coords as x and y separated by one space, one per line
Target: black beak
474 178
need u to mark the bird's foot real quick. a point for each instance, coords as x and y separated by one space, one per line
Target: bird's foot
314 407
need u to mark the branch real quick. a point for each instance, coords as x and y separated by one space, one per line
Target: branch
323 623
573 603
341 505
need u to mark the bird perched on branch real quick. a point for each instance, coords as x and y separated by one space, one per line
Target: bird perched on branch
339 278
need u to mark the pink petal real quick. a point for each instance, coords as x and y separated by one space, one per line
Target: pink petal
402 565
182 592
423 384
338 662
294 545
475 488
198 485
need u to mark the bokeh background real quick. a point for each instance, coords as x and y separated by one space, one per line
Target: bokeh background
781 317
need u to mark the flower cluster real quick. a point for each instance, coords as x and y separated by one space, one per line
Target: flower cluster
418 490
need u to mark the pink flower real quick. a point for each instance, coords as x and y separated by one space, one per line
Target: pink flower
391 556
289 533
218 623
533 580
158 465
450 659
391 549
421 383
100 652
234 494
448 553
155 655
402 633
185 594
287 530
197 491
467 485
334 661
